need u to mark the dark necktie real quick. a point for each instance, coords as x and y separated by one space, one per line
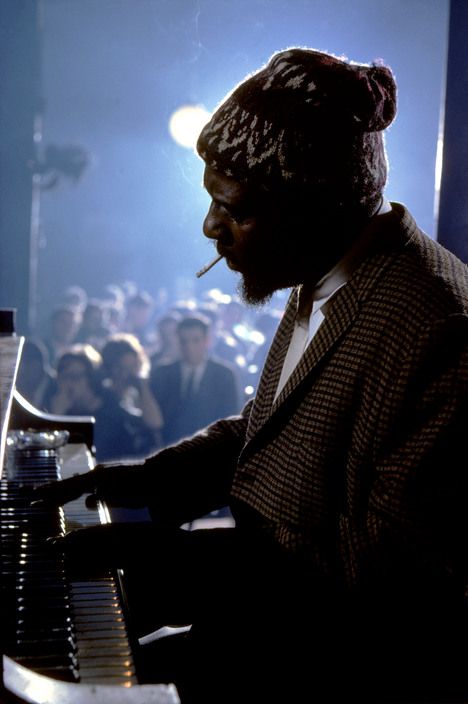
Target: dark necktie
189 389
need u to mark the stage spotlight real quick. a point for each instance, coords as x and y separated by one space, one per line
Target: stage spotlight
186 123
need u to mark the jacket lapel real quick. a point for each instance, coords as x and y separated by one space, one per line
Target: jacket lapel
262 406
339 316
204 383
341 312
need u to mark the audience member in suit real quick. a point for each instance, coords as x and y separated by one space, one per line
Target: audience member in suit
195 390
345 576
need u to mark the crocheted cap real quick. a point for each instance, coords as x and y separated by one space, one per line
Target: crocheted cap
306 118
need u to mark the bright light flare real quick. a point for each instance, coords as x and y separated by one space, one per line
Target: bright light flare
186 123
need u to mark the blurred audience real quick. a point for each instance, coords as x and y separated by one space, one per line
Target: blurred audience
138 317
126 369
35 374
167 345
141 403
197 389
62 328
78 390
93 329
75 297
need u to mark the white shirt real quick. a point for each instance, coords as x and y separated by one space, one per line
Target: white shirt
304 330
306 326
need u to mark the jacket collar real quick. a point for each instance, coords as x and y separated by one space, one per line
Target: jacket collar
389 234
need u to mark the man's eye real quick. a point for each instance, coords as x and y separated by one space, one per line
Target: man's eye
238 215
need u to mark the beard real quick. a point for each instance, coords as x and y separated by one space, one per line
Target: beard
253 292
257 286
284 256
258 276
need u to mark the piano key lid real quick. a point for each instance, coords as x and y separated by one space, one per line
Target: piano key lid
37 440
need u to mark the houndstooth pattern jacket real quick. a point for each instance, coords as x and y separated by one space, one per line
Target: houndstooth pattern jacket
355 464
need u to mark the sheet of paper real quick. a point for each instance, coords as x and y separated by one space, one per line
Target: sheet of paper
10 354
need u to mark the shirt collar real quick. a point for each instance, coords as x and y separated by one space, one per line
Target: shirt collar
187 369
339 275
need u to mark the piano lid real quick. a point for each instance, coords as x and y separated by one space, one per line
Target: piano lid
10 354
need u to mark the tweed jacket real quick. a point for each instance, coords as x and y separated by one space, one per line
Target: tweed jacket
355 464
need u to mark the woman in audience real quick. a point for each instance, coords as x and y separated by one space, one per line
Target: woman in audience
126 370
78 390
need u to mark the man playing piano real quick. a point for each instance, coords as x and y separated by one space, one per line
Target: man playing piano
346 571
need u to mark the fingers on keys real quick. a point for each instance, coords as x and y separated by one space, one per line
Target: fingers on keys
60 492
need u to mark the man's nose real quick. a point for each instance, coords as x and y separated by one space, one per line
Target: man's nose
212 224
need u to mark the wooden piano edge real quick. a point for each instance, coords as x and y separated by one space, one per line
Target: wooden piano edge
29 686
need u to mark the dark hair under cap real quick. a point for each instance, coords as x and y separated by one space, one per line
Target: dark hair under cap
306 121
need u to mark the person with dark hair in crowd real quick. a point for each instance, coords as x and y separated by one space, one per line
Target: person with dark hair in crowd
139 309
76 297
344 577
167 348
78 390
125 370
94 329
62 327
197 389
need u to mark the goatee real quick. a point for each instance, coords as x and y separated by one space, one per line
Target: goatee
254 292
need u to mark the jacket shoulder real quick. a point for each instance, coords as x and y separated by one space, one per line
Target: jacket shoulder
422 273
165 372
221 367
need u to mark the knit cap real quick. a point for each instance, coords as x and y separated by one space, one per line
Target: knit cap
308 122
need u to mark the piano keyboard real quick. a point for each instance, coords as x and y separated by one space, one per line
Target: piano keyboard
72 630
63 638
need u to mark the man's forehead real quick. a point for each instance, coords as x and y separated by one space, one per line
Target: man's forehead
193 335
218 184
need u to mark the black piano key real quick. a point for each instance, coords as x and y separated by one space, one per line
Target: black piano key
45 647
43 633
66 627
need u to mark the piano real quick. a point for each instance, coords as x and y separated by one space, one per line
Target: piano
64 638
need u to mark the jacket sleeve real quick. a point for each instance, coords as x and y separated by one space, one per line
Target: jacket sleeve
415 527
194 476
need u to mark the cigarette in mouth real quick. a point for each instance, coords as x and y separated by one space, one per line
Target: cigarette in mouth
209 266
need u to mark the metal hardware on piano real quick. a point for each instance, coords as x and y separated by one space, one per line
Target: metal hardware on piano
64 639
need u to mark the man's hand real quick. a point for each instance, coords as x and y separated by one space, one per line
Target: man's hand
61 492
118 485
